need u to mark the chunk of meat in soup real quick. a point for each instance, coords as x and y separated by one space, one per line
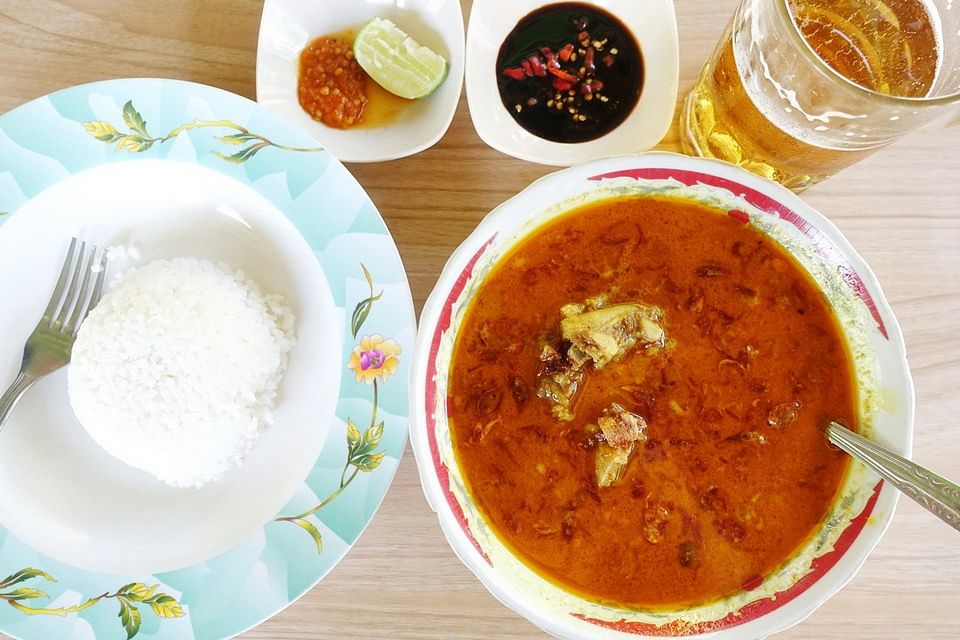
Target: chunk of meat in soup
595 333
621 430
605 334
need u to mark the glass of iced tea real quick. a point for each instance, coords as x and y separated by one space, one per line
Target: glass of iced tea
799 89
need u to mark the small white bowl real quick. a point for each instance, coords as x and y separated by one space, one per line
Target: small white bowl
653 24
287 26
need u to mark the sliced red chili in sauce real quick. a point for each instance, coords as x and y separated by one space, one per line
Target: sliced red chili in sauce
549 79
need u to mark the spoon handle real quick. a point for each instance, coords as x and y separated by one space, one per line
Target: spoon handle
937 495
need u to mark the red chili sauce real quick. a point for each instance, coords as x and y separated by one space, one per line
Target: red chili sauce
333 89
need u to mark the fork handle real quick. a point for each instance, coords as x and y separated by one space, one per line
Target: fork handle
13 395
937 495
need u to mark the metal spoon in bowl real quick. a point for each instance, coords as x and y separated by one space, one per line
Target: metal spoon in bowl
937 495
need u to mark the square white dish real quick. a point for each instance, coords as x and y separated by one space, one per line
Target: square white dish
653 25
287 26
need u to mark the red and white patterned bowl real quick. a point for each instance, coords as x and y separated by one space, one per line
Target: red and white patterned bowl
862 511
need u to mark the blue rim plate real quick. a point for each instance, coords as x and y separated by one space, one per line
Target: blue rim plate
54 137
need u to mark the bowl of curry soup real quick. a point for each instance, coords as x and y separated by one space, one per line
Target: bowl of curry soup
620 386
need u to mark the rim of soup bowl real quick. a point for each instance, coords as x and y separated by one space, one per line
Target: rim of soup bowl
862 534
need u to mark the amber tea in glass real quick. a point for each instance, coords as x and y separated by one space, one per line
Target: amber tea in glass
799 89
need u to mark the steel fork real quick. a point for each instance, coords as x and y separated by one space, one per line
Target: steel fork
48 347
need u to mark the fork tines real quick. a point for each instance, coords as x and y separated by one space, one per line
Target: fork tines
78 288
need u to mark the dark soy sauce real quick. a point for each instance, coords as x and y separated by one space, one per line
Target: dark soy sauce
576 97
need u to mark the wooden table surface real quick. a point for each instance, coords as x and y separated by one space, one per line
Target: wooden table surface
899 208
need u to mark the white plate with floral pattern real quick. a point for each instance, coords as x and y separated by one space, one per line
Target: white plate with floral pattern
92 548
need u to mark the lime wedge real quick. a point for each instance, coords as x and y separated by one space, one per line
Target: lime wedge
396 62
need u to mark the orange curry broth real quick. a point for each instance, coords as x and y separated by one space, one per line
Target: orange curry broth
748 333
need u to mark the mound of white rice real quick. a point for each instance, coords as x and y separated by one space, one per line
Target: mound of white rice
176 370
